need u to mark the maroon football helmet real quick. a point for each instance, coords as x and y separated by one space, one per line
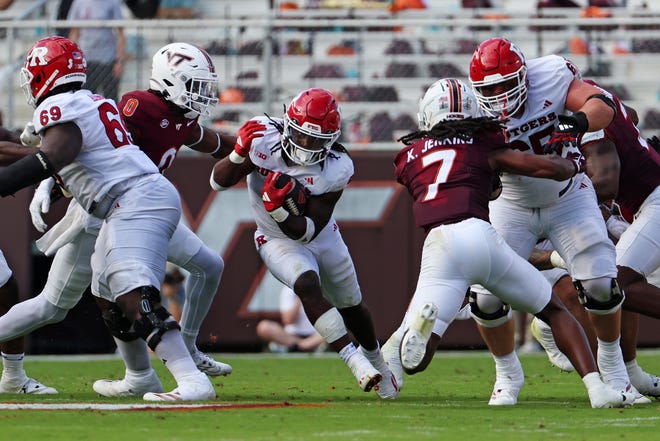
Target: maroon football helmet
311 125
498 62
52 62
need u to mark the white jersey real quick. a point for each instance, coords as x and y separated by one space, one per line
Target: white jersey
108 156
333 174
548 78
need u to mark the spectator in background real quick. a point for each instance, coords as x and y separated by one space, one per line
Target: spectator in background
173 291
295 333
104 47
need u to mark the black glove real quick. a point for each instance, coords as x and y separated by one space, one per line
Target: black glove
568 130
654 142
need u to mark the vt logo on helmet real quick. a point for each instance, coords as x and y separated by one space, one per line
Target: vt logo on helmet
185 75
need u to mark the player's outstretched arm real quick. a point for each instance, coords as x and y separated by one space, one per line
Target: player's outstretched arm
536 166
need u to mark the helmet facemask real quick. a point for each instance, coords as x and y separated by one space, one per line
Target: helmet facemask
508 102
306 145
199 97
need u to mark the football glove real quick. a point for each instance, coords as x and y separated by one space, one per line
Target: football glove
568 130
29 137
248 132
274 197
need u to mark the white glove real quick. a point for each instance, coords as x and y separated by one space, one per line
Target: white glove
556 260
40 204
29 137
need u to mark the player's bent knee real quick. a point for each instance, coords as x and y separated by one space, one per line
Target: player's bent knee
118 324
154 321
488 310
600 296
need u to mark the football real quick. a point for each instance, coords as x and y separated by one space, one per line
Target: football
296 199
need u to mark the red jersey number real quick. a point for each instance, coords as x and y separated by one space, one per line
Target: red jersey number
114 127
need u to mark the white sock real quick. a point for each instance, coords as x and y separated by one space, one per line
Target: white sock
507 367
347 351
610 362
134 353
633 368
592 380
12 366
175 355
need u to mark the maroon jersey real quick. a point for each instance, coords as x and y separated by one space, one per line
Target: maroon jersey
449 179
160 130
640 164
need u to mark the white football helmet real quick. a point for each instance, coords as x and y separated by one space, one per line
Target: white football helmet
185 75
445 100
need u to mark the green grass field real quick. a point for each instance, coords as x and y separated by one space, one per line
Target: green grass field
316 398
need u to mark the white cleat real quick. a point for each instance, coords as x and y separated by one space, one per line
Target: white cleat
392 357
26 386
507 388
606 397
543 334
504 395
191 388
413 343
645 383
131 387
363 371
388 388
209 366
632 395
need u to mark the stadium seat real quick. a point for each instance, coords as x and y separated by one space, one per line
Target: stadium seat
325 70
401 70
398 47
652 119
380 127
444 70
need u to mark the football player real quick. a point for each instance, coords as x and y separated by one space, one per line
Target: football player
306 252
533 97
623 168
86 146
447 167
183 87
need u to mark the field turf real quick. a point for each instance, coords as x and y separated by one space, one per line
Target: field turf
271 397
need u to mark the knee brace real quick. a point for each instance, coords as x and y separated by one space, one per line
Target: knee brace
118 324
600 296
154 322
488 310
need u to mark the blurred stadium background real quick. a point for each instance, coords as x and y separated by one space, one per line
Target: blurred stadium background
378 57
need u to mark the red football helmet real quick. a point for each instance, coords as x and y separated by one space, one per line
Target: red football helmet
51 62
498 62
311 125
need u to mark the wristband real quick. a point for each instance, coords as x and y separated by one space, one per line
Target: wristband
279 214
235 158
581 122
309 231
